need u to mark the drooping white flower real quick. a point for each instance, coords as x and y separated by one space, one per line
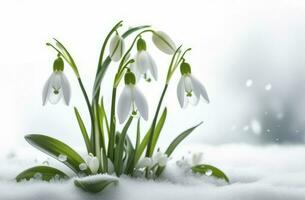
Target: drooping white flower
131 99
164 42
57 86
143 62
93 163
116 47
189 89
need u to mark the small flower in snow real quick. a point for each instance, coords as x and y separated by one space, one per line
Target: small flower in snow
116 48
189 89
160 159
164 42
145 162
57 85
143 62
131 98
93 163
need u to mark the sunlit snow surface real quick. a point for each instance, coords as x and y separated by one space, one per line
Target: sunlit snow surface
256 172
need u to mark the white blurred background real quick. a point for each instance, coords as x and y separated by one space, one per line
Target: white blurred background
248 54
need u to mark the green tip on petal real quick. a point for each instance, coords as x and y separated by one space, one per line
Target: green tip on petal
130 78
141 44
58 64
185 68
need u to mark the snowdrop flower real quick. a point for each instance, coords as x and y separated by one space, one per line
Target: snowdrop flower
160 159
143 62
164 42
131 98
116 48
189 89
57 85
93 163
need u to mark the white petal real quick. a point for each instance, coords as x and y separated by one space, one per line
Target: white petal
194 100
188 84
141 103
116 48
110 166
199 89
46 90
181 91
94 164
164 42
137 73
55 88
152 67
142 62
124 103
66 89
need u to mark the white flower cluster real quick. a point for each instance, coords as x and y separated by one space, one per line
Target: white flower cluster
159 159
190 160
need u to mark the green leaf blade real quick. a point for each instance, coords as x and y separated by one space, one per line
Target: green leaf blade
170 149
210 170
83 130
157 131
95 184
46 172
55 148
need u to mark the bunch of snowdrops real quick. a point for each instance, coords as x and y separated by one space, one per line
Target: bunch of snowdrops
110 150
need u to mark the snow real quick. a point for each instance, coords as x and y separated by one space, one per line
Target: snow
256 172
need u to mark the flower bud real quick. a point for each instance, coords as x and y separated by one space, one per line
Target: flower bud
164 42
58 64
141 45
117 47
130 78
185 68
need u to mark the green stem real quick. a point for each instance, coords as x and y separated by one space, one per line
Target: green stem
112 125
153 126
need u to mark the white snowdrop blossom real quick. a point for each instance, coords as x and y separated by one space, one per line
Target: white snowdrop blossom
57 86
131 99
93 163
143 62
163 42
116 48
190 89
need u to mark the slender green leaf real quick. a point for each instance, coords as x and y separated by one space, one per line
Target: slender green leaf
95 184
105 115
210 170
83 130
45 173
158 131
118 157
57 150
170 149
